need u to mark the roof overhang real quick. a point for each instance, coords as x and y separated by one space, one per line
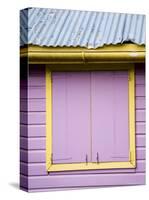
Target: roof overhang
122 53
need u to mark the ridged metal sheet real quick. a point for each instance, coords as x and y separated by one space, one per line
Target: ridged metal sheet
72 28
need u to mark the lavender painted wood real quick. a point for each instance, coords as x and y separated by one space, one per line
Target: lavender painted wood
33 105
140 115
140 153
37 130
38 105
140 79
23 143
23 155
36 81
39 92
32 117
23 130
39 117
33 92
71 117
23 92
24 168
33 156
110 116
33 143
140 102
59 118
81 180
37 169
37 156
140 90
140 141
140 127
23 181
37 78
23 117
39 143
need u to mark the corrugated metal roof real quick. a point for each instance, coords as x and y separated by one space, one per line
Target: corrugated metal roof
58 27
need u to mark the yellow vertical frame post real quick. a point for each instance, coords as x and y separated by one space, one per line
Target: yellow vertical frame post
48 118
132 156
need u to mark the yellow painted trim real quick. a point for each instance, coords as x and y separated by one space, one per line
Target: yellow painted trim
132 115
86 166
125 53
48 118
90 166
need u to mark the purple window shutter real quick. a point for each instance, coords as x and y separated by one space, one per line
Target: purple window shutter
59 118
71 117
109 97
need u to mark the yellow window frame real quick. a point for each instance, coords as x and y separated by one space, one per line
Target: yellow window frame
92 166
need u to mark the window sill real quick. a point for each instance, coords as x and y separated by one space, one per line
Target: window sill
91 166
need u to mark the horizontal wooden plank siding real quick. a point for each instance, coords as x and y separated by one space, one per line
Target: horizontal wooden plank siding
40 117
36 130
24 131
36 169
24 181
140 102
24 92
140 141
33 143
38 105
33 92
35 156
33 117
34 105
140 79
140 115
39 182
36 92
34 176
140 92
140 127
39 143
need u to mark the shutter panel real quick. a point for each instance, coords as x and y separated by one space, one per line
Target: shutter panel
121 114
110 138
71 117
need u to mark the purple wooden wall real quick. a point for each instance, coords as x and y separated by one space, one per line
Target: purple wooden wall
33 174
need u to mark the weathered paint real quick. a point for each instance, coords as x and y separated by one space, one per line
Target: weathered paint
33 160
